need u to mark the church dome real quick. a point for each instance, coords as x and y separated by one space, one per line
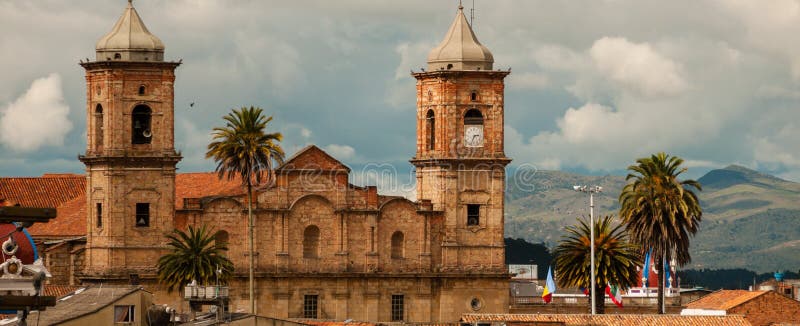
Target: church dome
460 49
129 40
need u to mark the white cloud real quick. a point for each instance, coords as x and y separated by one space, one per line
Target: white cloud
557 57
340 152
37 118
638 67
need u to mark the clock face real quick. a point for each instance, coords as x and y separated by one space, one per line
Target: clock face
473 136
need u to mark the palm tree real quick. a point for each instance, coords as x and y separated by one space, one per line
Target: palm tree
195 255
660 211
243 148
615 258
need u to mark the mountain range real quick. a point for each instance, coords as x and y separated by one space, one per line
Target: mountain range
750 219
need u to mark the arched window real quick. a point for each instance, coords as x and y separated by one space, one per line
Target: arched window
430 121
473 117
221 238
141 90
311 242
98 127
117 56
473 96
140 130
398 250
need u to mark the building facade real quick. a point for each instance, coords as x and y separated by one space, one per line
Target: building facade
326 249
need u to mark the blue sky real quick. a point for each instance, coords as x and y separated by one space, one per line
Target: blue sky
594 84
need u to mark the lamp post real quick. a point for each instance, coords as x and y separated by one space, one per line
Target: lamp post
591 190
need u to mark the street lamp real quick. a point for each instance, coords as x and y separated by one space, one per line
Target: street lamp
591 190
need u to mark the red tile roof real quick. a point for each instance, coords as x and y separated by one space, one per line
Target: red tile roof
70 221
621 320
724 299
59 291
50 190
204 184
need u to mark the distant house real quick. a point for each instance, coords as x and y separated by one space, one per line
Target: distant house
98 305
758 307
789 288
585 319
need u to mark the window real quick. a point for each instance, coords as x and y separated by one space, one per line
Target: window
123 314
99 213
140 131
430 120
476 304
311 242
473 96
473 117
141 90
310 306
398 306
221 238
117 56
98 127
397 245
473 214
142 214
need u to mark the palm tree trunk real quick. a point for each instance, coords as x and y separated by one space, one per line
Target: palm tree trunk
600 299
252 247
660 269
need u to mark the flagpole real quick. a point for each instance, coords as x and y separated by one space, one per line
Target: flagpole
591 191
591 218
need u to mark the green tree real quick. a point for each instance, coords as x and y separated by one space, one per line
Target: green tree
194 255
660 211
244 149
615 258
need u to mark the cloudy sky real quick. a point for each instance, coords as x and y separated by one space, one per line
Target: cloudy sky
594 84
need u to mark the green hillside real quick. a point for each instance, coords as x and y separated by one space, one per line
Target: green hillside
751 220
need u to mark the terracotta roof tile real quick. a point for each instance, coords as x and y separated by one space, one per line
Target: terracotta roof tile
59 291
204 184
70 221
621 320
50 190
724 299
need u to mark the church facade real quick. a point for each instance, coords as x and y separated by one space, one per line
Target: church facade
325 249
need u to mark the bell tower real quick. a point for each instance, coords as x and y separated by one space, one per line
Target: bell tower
130 155
460 162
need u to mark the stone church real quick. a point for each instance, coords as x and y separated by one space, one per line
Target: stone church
326 249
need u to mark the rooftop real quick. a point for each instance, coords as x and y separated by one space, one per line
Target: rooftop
724 299
460 49
616 320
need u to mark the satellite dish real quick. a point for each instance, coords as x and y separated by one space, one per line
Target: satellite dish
147 133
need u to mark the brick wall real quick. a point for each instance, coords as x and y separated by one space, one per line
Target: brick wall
769 309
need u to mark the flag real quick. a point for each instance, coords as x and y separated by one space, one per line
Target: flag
666 274
549 287
615 294
646 268
585 290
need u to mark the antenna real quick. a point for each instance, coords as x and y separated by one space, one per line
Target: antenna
472 14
